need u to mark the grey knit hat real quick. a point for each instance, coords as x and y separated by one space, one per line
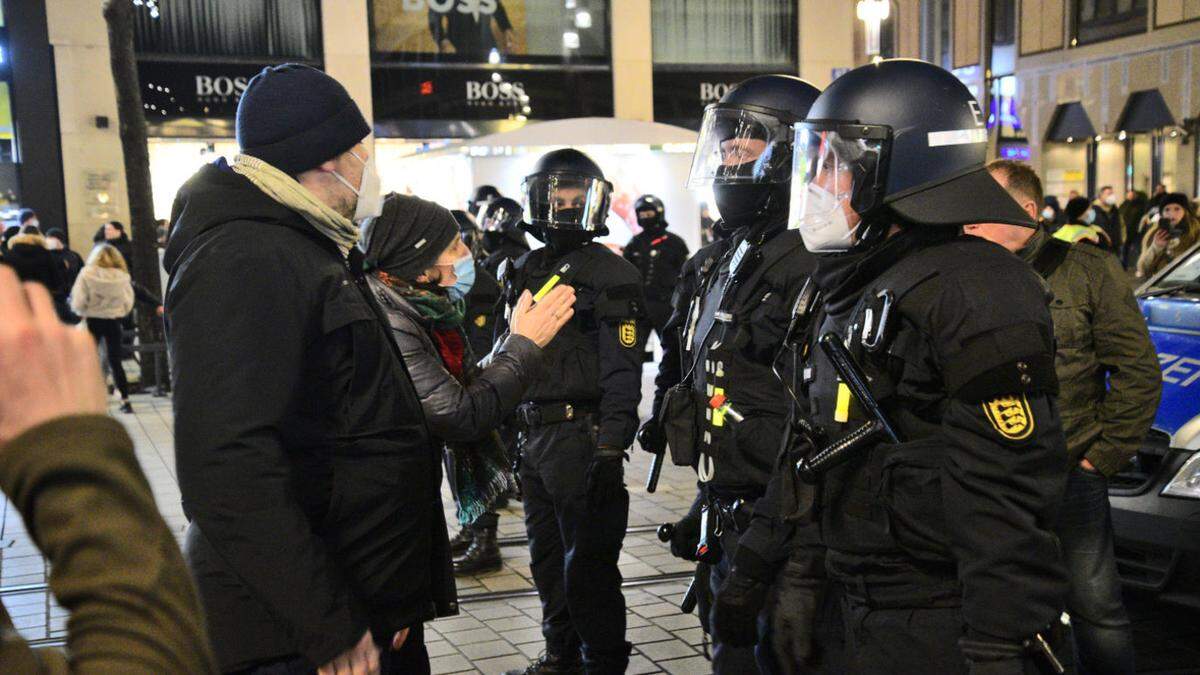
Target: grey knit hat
408 237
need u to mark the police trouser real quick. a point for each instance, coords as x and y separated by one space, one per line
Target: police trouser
573 551
725 658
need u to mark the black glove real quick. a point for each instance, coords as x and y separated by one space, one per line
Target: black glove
605 478
686 536
651 437
987 655
795 602
735 610
740 600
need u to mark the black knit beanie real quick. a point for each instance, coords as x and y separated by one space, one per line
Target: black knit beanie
1177 198
408 237
295 117
1076 208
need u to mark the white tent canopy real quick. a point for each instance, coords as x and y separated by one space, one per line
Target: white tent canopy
581 131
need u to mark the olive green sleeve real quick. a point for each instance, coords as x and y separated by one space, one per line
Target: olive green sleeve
115 565
1125 352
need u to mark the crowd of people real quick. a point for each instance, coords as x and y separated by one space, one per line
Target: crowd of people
901 446
99 293
1145 234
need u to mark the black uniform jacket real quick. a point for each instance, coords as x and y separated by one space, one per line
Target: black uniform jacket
595 361
736 357
658 256
306 468
960 512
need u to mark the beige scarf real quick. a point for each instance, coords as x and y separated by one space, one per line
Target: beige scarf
284 189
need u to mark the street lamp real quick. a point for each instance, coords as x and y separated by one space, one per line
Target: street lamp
873 13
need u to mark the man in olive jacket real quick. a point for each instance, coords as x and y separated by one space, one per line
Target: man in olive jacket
316 537
1109 385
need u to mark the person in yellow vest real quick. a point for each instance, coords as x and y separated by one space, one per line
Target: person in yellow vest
1080 225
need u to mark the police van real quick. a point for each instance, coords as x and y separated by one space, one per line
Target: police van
1156 500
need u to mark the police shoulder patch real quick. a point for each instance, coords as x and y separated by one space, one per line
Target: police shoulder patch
1010 416
627 333
481 320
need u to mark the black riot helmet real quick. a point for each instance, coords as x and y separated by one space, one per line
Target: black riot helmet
483 195
895 142
744 150
650 213
500 220
468 231
566 199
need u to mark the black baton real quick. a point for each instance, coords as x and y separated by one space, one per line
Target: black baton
655 471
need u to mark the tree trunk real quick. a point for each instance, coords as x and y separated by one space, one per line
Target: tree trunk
118 14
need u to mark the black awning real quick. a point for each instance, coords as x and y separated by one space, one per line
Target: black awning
1070 121
1145 111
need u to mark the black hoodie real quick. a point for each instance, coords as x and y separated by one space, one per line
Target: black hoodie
306 469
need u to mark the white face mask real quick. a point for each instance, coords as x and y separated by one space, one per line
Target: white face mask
370 201
1047 213
53 244
823 225
1110 200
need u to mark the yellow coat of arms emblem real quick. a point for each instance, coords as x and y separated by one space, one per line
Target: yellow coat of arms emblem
627 333
1010 416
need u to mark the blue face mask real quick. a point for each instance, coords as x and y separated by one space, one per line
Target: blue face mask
464 269
1089 216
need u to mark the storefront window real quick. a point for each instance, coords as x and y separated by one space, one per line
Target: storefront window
1139 168
1179 167
9 191
734 32
1096 20
1066 170
490 31
274 29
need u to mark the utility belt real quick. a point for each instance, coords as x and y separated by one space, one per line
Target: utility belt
531 415
928 593
732 514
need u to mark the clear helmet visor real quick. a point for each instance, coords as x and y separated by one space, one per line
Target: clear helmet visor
496 218
832 184
737 146
566 201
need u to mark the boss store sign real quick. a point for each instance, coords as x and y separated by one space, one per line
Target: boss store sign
680 96
418 102
173 89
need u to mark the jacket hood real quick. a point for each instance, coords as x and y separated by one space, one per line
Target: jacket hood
217 195
106 275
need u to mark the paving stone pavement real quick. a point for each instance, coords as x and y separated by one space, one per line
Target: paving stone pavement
488 636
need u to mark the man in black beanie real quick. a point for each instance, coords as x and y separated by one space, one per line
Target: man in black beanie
307 472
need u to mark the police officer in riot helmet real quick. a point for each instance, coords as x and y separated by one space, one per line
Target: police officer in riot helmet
740 313
936 534
469 233
503 237
659 256
482 195
579 420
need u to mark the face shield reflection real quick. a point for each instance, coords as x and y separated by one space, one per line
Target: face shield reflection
740 146
495 218
566 202
829 173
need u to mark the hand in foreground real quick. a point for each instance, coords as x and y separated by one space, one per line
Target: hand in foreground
361 659
541 322
47 369
685 537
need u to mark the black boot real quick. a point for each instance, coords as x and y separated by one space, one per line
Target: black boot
483 555
550 664
462 541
